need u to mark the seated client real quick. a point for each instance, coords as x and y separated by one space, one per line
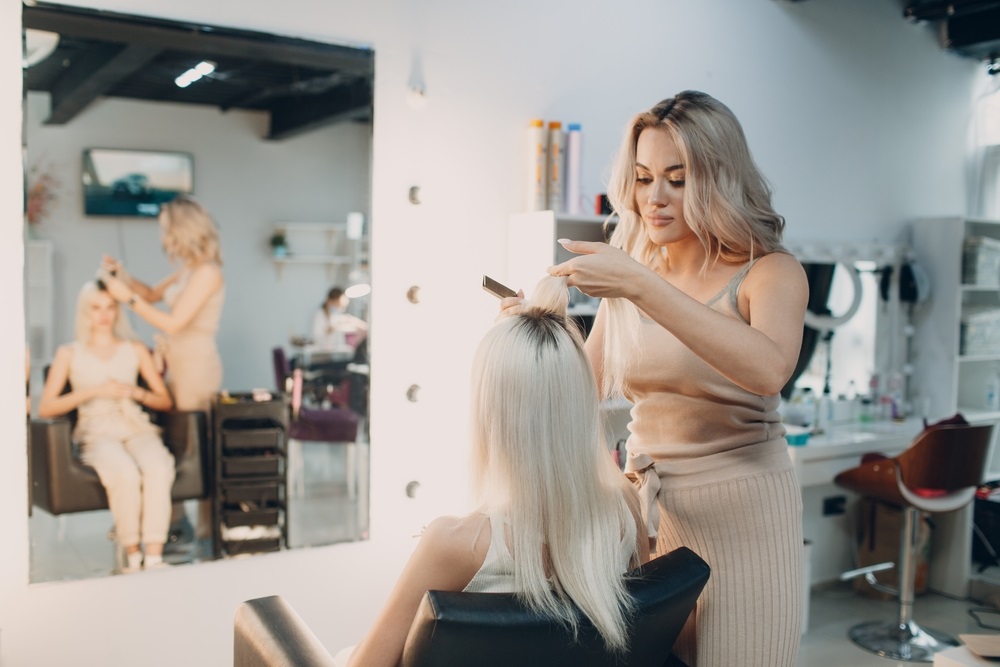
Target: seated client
118 440
557 522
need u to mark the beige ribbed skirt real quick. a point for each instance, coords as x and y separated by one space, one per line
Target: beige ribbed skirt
749 530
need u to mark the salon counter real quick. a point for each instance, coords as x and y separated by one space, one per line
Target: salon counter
842 445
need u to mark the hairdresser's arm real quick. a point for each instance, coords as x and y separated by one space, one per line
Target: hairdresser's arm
594 346
442 561
150 294
205 281
156 397
759 358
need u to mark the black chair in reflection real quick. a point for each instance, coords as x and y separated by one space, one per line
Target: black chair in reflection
61 483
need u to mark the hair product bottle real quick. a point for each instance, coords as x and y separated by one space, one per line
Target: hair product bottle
536 147
574 149
556 185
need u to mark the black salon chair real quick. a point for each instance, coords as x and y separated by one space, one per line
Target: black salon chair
494 629
61 483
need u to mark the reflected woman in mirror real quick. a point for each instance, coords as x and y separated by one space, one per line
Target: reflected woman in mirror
118 440
700 329
194 295
541 468
333 328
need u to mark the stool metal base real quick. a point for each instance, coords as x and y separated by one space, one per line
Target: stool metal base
908 642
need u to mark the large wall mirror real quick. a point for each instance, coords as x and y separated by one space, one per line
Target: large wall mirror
273 136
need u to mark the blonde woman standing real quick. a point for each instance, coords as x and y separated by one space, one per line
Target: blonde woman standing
700 328
541 469
194 296
118 440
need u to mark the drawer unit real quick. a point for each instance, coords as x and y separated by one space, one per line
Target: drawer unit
249 508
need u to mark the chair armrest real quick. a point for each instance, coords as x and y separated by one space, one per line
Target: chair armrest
185 434
61 484
268 633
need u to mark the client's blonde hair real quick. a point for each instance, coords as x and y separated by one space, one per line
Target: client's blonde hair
539 459
81 326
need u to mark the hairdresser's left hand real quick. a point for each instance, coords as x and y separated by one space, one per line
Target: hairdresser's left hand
117 288
599 270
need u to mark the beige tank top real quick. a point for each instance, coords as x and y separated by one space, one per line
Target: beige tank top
205 322
695 424
111 418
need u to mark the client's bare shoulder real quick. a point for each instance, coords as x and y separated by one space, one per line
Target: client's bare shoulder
460 541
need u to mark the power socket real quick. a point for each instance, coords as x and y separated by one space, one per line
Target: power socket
834 505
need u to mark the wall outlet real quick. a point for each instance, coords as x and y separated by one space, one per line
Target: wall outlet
834 505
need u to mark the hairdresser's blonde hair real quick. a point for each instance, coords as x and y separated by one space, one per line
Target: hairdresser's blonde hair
189 233
539 458
81 326
727 204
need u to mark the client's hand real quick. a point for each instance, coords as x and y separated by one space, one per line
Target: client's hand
114 389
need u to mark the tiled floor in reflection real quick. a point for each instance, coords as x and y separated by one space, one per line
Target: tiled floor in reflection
321 510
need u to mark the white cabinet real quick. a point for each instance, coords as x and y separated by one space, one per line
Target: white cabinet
39 306
532 249
957 332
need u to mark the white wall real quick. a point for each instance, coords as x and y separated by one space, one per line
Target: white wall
247 183
856 116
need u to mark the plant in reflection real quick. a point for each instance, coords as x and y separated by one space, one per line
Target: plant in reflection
41 194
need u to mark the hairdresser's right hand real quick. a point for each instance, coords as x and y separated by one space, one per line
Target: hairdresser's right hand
110 265
511 305
114 389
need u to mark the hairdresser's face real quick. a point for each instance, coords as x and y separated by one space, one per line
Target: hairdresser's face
659 187
102 311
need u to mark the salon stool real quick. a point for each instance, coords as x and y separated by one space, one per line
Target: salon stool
939 472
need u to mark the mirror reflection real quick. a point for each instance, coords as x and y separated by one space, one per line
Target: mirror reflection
210 188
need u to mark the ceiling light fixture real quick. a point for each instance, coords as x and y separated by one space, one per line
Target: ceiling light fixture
204 68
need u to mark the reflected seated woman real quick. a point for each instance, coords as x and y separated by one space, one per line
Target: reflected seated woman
118 440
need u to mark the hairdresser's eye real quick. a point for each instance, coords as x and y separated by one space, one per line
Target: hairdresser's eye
676 178
645 180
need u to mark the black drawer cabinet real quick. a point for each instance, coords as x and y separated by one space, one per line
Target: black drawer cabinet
250 508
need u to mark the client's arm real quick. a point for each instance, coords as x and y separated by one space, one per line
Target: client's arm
442 561
156 397
51 404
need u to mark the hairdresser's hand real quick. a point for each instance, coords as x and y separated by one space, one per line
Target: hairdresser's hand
114 389
117 288
511 305
599 270
111 265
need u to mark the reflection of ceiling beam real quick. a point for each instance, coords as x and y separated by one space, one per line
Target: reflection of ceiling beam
110 27
86 81
292 116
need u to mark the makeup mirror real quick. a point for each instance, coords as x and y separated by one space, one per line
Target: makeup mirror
278 132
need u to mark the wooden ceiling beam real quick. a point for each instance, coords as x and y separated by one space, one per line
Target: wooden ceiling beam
99 72
203 41
293 117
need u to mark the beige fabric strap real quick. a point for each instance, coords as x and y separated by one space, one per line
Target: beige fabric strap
642 471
